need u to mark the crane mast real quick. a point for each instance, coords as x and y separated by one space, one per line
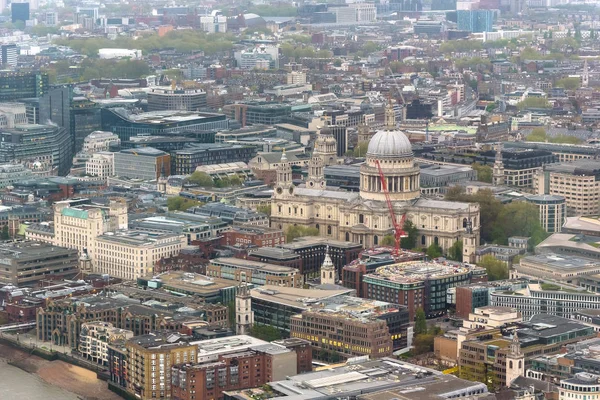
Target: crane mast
398 226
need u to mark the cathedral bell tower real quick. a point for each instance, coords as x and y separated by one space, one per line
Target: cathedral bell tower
284 185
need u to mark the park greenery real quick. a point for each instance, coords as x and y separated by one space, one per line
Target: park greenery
455 252
501 221
184 41
266 209
484 172
569 83
303 51
539 135
63 71
202 179
424 336
296 231
434 251
533 102
267 333
179 203
496 269
274 10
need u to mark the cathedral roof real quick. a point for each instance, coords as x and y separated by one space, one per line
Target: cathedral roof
389 142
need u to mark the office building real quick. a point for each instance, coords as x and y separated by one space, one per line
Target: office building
55 106
145 163
253 272
349 327
262 56
470 297
98 141
101 164
84 118
185 162
160 99
130 254
577 181
552 211
159 123
28 263
9 54
546 299
19 12
475 21
149 363
96 336
235 370
579 386
51 18
498 356
213 23
15 85
520 167
11 173
420 284
28 143
266 113
12 114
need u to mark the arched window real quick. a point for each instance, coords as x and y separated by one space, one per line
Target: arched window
464 222
246 318
329 229
361 218
279 208
510 364
436 240
375 239
520 365
423 240
330 275
317 226
347 236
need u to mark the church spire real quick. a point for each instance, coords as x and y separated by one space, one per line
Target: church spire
327 270
498 172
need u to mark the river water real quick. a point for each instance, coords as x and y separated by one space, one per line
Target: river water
18 384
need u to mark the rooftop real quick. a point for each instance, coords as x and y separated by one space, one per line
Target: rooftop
419 271
296 297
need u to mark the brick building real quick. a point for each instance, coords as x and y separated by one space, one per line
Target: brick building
253 236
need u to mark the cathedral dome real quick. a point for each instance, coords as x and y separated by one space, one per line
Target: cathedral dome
389 143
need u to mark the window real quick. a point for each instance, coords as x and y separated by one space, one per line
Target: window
361 218
329 229
423 240
375 239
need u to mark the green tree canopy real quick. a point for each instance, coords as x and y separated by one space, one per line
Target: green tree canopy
296 231
533 102
484 172
266 209
568 83
409 242
434 251
537 135
495 268
179 203
201 179
489 208
4 235
388 240
455 252
361 149
267 333
420 321
518 218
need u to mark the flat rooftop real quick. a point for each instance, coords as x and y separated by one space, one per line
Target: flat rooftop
134 237
295 297
190 282
254 265
419 271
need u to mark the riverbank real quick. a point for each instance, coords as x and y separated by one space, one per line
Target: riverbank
71 378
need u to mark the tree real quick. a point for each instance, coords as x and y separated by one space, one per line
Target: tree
201 179
231 309
484 172
5 235
568 83
495 268
518 219
537 135
267 333
420 322
409 242
296 231
388 240
266 209
434 251
179 203
337 62
455 252
361 149
423 343
489 208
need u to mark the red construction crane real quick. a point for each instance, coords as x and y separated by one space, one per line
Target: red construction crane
398 226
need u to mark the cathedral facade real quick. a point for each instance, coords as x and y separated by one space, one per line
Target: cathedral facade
364 217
